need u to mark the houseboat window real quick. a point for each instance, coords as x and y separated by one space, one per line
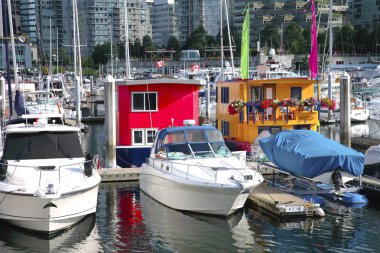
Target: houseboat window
301 127
138 137
144 101
256 94
225 95
150 134
296 92
143 136
226 128
271 130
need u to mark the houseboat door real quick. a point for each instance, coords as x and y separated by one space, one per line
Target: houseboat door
269 92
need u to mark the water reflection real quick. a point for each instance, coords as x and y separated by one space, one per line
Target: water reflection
82 237
197 233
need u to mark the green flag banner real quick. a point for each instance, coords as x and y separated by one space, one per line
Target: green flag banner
244 62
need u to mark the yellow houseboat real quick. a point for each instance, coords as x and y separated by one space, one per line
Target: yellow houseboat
247 107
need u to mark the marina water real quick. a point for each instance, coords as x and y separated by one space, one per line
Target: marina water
127 220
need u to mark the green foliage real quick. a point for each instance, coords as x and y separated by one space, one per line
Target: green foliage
101 54
89 72
271 36
199 40
147 43
295 42
173 44
137 50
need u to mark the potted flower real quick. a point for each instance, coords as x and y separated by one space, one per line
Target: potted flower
328 103
289 102
308 102
275 103
265 103
235 106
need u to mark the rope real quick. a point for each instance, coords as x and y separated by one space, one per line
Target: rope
129 164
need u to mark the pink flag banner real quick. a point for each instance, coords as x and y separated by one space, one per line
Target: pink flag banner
313 57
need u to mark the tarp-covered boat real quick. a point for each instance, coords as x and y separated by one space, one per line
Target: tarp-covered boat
310 154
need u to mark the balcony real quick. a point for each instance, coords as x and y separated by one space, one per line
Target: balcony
254 114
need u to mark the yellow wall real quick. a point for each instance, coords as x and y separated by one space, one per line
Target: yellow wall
242 88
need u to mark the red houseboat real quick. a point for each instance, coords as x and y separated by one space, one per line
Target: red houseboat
146 106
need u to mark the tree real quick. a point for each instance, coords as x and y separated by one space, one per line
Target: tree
199 39
343 42
294 39
101 54
147 43
235 40
270 34
173 44
137 50
361 38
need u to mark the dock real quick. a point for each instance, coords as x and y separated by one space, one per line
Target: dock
363 143
119 174
282 204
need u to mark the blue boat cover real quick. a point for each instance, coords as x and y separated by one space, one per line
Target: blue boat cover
309 154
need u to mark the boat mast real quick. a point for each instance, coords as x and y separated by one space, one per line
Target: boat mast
5 22
13 44
57 52
50 51
127 60
229 39
75 64
330 59
221 42
79 89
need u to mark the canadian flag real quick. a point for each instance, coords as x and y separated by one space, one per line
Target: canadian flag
159 64
195 67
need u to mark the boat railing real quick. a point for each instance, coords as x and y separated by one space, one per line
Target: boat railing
166 166
86 167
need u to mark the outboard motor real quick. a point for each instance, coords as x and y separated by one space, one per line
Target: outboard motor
3 170
88 165
336 178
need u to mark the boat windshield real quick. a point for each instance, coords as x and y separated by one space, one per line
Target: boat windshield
42 145
194 144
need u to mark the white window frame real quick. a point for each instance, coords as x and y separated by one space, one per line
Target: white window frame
138 92
144 136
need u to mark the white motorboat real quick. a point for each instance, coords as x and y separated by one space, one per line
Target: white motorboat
42 102
46 182
191 169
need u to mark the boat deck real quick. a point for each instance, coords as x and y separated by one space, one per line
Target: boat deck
283 204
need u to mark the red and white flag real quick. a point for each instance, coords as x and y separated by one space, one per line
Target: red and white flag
195 67
159 64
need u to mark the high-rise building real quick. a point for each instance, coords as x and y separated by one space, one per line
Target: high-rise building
192 14
103 21
164 21
364 14
283 12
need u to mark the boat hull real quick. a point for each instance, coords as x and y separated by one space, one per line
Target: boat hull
48 214
193 196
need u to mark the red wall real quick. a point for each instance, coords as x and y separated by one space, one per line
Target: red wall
178 101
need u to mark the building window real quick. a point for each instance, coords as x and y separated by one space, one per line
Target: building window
296 92
225 128
225 96
256 94
144 101
271 130
143 136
